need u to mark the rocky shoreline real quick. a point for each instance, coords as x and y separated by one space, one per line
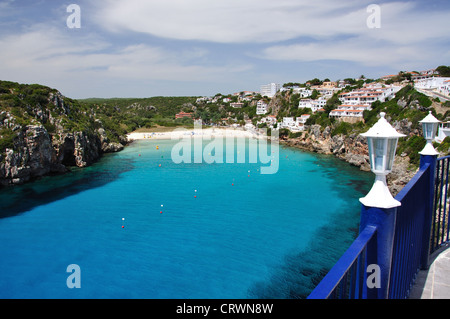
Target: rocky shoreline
41 153
38 154
352 149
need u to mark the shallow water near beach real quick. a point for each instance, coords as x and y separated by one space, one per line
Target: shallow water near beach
141 226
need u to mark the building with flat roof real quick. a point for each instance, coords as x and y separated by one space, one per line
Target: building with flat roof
270 89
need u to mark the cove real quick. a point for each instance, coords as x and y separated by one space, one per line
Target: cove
190 230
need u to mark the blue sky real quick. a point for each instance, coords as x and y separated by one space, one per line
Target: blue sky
143 48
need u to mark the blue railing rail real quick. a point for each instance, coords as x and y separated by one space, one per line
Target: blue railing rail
395 239
346 280
410 233
440 219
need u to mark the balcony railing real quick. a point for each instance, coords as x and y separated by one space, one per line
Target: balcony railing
398 240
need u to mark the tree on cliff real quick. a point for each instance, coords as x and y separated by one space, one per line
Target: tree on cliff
443 70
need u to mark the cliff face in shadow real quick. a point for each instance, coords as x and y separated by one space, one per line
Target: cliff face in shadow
42 132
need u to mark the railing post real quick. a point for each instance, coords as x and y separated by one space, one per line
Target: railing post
384 220
428 214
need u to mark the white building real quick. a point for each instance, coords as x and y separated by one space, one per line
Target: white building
443 132
437 84
314 105
350 111
302 119
445 89
307 103
270 120
433 83
369 94
305 92
287 121
261 107
270 89
338 113
294 126
389 92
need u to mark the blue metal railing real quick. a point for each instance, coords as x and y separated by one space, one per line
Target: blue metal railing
440 225
409 230
346 280
399 242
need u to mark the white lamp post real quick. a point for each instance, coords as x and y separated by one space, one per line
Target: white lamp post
429 125
382 139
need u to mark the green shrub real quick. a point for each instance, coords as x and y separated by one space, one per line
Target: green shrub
6 139
342 128
411 146
295 135
445 145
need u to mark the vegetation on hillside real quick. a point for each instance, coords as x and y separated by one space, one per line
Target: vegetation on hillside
33 104
22 105
408 105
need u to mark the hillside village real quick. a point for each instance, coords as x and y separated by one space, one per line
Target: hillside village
43 132
344 100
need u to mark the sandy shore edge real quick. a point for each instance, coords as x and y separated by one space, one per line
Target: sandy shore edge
204 133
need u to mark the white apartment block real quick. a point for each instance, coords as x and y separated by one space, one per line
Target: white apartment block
261 107
445 89
346 113
369 94
307 103
314 105
270 89
296 125
350 111
287 121
438 84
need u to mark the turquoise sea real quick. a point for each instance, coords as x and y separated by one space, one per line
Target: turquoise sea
139 225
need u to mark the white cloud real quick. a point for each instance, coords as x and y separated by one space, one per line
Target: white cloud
335 30
227 34
407 38
234 21
51 56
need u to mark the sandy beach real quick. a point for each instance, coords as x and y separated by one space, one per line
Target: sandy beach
204 133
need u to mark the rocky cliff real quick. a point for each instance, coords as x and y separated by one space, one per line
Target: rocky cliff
41 134
354 150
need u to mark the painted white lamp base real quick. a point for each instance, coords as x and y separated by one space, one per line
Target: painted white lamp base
429 149
380 196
